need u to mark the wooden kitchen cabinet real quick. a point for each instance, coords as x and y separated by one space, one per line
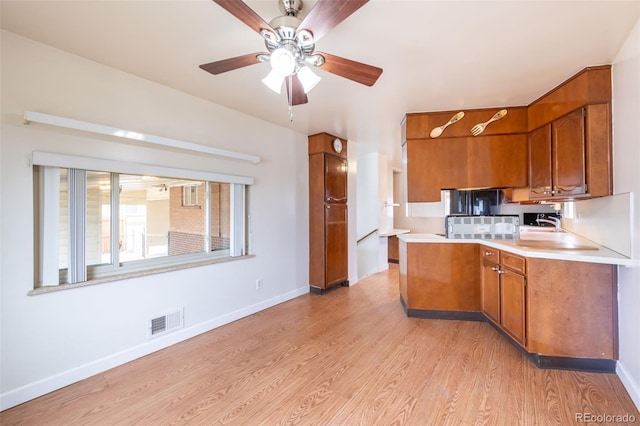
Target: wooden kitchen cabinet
456 159
497 161
590 86
562 314
432 165
572 309
335 244
559 146
570 139
557 158
503 284
328 240
570 157
440 279
512 303
393 255
490 290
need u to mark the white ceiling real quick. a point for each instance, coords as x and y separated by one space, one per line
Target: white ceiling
436 55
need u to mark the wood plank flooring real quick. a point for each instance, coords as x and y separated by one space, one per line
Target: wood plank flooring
349 357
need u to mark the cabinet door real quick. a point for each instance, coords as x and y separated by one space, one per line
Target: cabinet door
491 290
512 295
335 169
540 162
498 161
335 244
569 154
434 164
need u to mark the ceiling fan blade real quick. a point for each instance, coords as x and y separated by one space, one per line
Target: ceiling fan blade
356 71
326 14
230 64
240 10
295 92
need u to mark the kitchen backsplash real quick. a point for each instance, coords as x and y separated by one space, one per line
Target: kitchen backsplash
606 221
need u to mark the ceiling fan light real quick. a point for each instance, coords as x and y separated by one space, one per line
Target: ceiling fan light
308 79
274 81
283 61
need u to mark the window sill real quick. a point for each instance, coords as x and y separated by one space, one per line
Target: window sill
128 275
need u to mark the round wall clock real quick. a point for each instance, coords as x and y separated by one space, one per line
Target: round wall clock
337 145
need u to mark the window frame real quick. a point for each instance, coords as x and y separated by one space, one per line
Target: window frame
117 269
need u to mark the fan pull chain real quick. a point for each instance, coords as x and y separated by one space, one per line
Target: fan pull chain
290 93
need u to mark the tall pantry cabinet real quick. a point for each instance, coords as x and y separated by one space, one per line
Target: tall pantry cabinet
328 262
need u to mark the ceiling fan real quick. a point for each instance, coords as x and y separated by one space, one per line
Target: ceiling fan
290 42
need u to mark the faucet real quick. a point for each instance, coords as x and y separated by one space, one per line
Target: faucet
552 220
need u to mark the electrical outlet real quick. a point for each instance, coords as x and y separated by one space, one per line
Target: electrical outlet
259 284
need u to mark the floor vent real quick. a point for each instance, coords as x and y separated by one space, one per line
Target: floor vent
165 323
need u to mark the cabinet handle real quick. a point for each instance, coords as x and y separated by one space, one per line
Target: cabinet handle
488 253
571 188
495 268
500 271
337 200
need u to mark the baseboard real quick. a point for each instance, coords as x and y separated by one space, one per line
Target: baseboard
446 315
41 387
632 387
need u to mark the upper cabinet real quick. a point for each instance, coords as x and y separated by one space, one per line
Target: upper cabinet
557 158
570 139
559 146
457 159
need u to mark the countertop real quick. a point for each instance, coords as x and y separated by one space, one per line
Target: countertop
595 253
392 232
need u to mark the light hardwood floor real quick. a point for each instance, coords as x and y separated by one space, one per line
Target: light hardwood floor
349 357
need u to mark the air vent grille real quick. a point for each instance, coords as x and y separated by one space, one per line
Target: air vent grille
165 323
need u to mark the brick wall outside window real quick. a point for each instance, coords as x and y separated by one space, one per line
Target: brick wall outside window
186 229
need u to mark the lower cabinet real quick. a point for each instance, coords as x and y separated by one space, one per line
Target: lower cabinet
572 309
437 279
563 314
504 292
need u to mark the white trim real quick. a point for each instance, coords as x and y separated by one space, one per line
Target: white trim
98 164
30 391
49 194
632 387
53 120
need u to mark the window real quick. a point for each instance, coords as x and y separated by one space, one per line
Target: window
94 224
190 196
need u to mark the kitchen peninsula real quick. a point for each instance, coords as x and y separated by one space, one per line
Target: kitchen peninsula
552 294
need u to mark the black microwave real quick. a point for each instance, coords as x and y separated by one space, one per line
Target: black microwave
477 202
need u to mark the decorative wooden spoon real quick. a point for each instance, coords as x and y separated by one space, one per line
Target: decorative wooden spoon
438 130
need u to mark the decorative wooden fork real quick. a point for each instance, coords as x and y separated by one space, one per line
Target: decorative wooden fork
479 128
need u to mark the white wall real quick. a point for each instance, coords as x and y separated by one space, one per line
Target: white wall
367 209
626 156
352 210
51 340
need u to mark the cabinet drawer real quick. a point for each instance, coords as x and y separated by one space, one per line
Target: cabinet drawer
513 262
490 254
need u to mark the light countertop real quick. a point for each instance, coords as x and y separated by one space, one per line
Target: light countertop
595 253
392 232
